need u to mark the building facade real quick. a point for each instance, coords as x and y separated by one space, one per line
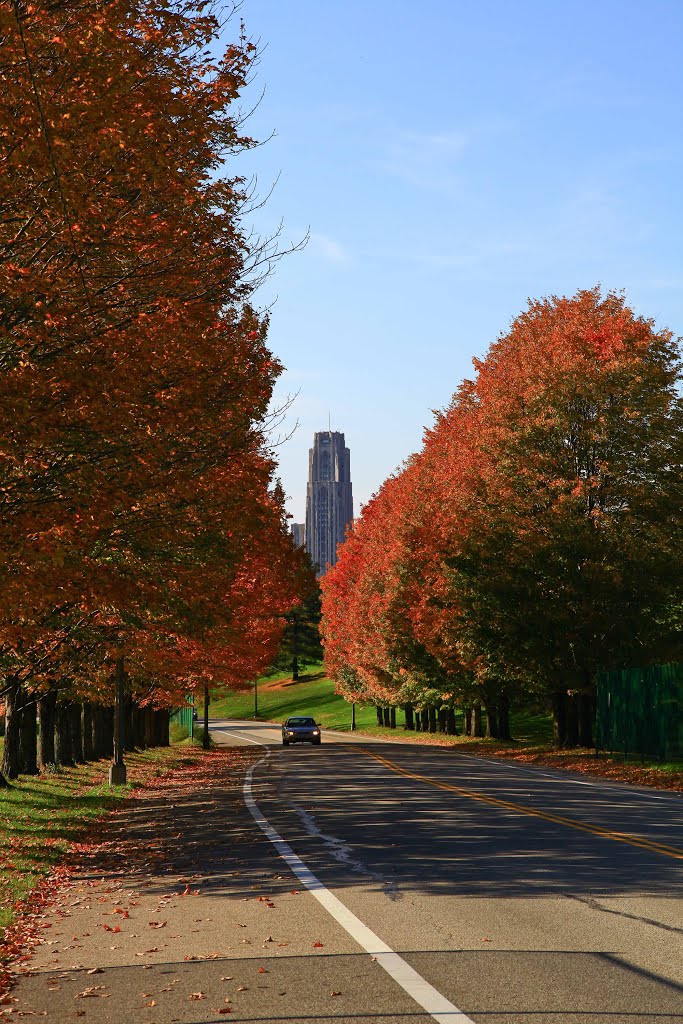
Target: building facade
299 534
329 498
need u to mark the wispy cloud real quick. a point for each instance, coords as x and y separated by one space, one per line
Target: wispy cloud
425 159
328 248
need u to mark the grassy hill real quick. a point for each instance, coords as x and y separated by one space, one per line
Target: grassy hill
279 697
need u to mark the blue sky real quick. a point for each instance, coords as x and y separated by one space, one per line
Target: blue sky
451 159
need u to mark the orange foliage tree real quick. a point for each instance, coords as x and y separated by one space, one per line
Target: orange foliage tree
139 512
544 522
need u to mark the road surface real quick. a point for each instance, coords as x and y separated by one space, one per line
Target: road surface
520 895
361 881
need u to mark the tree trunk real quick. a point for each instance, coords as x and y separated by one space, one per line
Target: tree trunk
504 719
87 719
63 745
139 726
572 721
451 727
392 718
205 738
29 737
468 721
12 752
559 706
77 732
97 731
108 731
424 719
150 737
163 719
46 735
103 731
432 719
295 669
410 722
586 719
491 715
380 715
418 721
128 724
442 718
477 726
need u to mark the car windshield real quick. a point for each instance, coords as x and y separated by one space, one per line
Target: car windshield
300 721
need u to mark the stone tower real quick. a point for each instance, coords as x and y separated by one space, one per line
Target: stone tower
329 500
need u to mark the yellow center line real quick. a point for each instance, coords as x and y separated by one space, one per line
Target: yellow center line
556 819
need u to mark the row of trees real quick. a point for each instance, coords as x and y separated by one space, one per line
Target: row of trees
139 514
72 732
535 539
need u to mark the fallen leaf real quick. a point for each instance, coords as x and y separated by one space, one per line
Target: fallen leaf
335 993
152 1002
93 990
318 945
242 988
197 995
95 970
262 970
157 924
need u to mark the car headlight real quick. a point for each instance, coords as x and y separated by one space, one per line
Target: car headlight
316 732
290 733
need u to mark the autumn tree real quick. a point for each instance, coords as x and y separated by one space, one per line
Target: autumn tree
134 375
535 539
573 564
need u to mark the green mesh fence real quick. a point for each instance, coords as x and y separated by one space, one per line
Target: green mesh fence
183 718
640 711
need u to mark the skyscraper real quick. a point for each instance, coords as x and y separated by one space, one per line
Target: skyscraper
298 531
329 499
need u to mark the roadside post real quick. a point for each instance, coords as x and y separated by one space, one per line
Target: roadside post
353 717
117 770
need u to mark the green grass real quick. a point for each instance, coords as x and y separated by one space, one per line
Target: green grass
314 695
41 815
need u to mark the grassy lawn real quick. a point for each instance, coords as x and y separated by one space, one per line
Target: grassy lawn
312 695
41 815
279 697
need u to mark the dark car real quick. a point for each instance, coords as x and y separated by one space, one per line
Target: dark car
300 730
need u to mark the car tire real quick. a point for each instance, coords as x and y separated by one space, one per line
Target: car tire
285 743
316 743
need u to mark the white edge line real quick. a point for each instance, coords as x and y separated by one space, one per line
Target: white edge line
424 994
236 732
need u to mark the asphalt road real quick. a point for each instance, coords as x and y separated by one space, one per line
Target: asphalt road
522 895
383 882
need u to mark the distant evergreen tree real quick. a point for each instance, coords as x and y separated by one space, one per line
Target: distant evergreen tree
301 644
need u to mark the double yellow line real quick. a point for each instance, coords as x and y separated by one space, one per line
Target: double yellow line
556 819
